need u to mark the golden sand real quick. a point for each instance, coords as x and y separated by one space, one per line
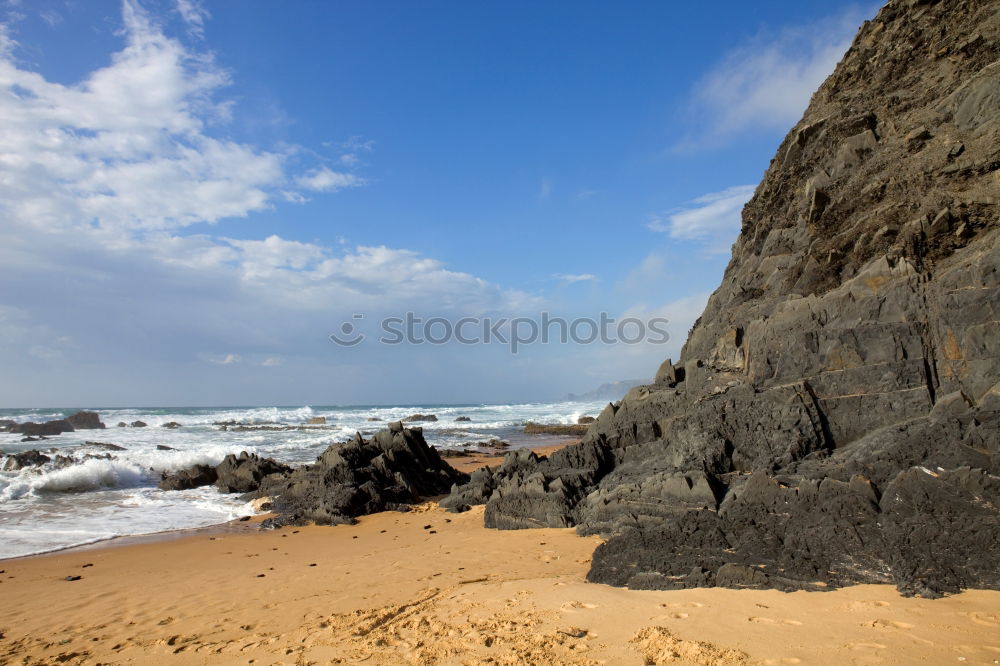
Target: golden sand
429 587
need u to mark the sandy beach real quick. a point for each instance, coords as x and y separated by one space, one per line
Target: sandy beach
430 587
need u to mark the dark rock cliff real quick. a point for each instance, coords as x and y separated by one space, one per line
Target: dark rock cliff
835 414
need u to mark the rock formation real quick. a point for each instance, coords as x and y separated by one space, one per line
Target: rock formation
245 473
86 421
414 418
18 461
193 477
48 428
394 468
835 414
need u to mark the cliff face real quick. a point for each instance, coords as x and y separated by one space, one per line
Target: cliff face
835 415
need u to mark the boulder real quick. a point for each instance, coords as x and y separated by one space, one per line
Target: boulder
456 453
585 420
18 461
86 421
164 447
48 429
171 425
193 477
391 470
420 417
555 429
245 472
137 424
317 420
463 419
122 424
105 445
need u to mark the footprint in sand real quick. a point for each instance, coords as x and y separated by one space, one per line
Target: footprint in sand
985 619
768 620
576 605
865 646
689 604
886 624
672 616
866 605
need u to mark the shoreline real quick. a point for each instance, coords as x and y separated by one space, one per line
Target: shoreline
466 464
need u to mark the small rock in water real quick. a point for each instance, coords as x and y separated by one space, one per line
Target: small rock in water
105 445
420 417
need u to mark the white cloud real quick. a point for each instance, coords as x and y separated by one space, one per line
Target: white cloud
51 17
353 148
228 359
7 43
127 147
100 181
712 218
767 82
327 180
194 14
272 361
570 278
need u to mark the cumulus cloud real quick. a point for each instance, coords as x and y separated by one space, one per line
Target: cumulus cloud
100 183
713 219
127 147
766 82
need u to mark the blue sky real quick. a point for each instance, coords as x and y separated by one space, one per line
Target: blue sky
194 195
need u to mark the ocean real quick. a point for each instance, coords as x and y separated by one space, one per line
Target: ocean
113 493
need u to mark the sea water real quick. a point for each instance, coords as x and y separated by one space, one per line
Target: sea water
97 498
